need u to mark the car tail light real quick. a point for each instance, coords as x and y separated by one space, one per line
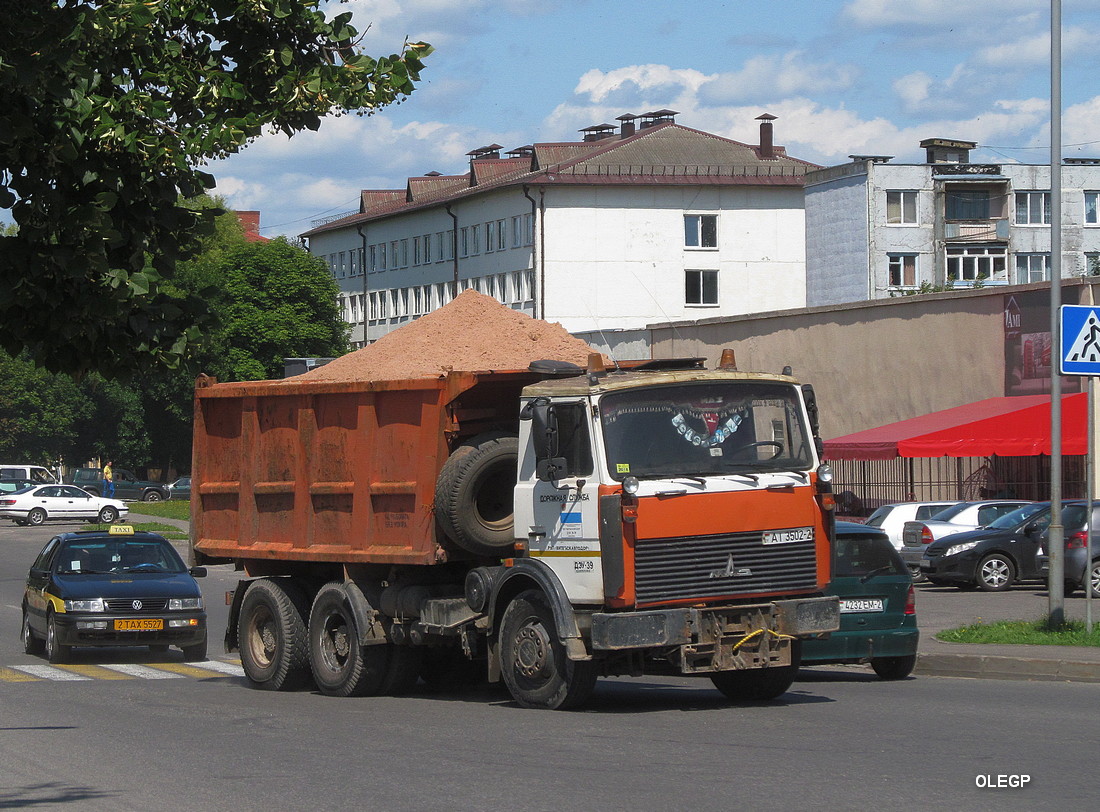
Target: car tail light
911 602
7 501
1077 541
926 535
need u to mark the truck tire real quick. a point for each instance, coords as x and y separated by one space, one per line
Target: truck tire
759 684
533 662
272 635
341 664
474 491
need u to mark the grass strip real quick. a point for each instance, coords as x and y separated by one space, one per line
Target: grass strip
1024 632
170 509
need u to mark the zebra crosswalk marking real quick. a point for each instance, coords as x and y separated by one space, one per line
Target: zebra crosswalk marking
141 671
189 670
50 672
94 671
11 675
222 667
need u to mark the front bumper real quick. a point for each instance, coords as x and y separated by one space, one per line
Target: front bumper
954 569
719 638
98 629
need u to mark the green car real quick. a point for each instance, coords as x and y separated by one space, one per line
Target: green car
878 619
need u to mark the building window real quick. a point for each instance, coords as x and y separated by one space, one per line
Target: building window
475 239
427 242
701 230
974 204
1032 268
701 287
528 229
901 208
1092 263
502 241
490 236
903 270
517 231
416 251
1092 208
1033 208
972 263
372 258
464 247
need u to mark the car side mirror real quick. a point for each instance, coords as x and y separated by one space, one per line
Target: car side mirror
198 572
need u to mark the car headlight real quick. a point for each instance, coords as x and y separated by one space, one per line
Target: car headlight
86 605
955 549
176 604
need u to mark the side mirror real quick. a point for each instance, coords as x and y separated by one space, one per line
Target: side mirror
198 572
544 436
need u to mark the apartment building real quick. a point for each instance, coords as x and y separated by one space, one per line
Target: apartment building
876 229
638 222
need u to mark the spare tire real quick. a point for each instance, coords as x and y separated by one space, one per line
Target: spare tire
474 493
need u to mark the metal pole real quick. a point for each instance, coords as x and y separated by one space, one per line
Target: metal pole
1090 476
1056 533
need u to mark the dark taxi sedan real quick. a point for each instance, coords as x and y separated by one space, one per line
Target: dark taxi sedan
112 587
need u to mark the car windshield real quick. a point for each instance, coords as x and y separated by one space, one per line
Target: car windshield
99 555
879 516
947 514
856 557
705 428
1018 516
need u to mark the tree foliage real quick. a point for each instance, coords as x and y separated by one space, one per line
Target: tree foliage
108 109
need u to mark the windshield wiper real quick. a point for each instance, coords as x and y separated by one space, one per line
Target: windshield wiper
143 567
873 573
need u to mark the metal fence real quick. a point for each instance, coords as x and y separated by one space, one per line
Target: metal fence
863 485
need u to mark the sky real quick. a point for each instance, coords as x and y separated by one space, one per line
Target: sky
843 77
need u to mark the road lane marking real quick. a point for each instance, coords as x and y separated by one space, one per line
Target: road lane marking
11 675
190 670
50 673
94 671
232 669
141 671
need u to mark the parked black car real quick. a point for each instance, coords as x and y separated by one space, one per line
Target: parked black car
991 558
127 485
1076 529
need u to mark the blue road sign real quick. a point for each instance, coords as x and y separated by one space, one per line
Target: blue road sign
1080 330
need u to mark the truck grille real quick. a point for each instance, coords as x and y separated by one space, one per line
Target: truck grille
127 604
714 566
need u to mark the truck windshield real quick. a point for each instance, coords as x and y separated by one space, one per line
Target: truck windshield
702 428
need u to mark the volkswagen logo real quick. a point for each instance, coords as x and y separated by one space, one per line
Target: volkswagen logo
136 605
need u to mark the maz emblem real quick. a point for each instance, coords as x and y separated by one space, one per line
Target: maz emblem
730 571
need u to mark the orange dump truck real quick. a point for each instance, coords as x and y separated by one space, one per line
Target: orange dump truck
548 525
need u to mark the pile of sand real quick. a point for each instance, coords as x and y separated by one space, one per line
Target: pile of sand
472 332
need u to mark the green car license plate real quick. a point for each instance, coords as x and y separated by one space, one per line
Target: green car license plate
851 605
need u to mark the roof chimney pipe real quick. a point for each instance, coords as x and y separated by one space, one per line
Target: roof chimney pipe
767 144
627 128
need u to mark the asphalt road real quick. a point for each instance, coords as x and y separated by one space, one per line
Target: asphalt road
841 739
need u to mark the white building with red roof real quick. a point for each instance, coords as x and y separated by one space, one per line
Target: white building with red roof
642 222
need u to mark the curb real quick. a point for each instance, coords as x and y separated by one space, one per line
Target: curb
990 666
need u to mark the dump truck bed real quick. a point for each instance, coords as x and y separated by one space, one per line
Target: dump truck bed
334 471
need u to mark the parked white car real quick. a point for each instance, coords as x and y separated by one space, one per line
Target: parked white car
891 518
917 535
42 503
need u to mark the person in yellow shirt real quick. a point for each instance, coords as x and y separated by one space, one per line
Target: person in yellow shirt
109 480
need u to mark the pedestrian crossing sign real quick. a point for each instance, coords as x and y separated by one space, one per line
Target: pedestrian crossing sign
1080 330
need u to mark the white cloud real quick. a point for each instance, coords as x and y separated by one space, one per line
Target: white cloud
1033 50
598 85
929 13
793 73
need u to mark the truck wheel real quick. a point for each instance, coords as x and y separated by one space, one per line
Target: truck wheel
473 494
342 665
759 684
152 496
272 635
533 661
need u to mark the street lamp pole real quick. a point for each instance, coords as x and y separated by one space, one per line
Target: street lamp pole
1056 533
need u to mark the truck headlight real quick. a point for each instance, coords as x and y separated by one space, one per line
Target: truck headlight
85 605
177 604
630 484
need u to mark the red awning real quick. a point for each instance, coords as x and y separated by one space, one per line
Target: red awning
1008 427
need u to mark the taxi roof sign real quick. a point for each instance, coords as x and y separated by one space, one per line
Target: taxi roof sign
121 530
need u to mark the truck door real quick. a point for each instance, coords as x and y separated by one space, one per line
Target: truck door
559 518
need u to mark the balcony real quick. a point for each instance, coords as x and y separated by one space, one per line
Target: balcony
976 231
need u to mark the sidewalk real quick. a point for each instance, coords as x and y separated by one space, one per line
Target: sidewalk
940 608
